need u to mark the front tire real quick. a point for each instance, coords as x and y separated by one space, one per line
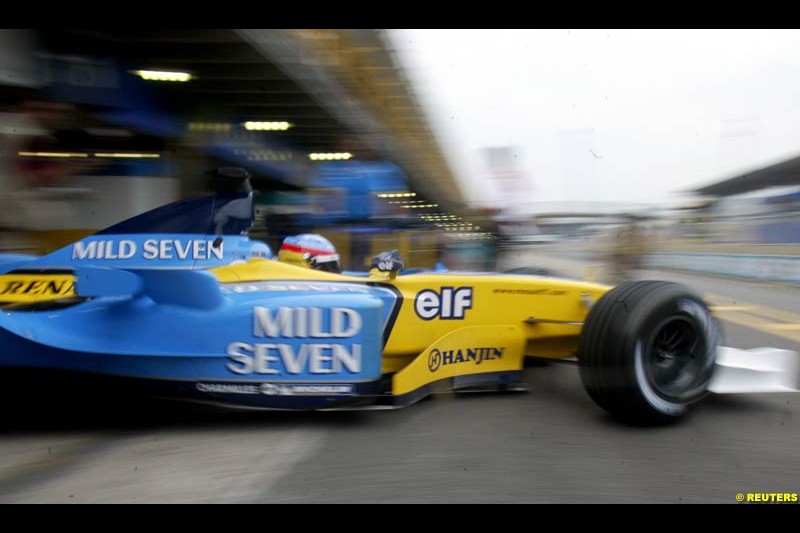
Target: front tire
647 351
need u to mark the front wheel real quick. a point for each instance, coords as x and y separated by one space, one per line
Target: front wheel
647 351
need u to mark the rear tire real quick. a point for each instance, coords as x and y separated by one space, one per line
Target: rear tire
647 351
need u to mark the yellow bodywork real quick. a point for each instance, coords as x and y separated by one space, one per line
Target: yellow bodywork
509 317
27 288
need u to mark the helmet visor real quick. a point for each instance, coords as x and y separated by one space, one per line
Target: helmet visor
326 263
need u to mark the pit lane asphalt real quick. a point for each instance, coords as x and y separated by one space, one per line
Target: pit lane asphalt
549 445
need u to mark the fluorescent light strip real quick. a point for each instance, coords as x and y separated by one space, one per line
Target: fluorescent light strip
127 155
397 194
330 156
131 155
209 126
163 75
419 206
52 154
267 126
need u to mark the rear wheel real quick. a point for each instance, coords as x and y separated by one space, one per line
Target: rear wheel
647 351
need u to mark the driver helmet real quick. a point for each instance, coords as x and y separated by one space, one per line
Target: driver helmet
311 251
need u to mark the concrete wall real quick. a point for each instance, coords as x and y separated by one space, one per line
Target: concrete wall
111 199
782 268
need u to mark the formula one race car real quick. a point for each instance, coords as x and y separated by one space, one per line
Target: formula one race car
179 300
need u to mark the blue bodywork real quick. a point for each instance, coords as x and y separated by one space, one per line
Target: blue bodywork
147 310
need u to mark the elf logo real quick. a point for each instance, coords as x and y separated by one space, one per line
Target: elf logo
449 304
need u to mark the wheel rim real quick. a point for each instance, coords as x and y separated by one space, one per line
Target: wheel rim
676 358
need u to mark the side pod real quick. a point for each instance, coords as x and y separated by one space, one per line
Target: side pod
188 288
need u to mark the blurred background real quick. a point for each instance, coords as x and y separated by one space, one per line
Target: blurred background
99 125
597 154
619 149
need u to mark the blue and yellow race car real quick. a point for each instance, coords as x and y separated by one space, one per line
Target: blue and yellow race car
180 301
